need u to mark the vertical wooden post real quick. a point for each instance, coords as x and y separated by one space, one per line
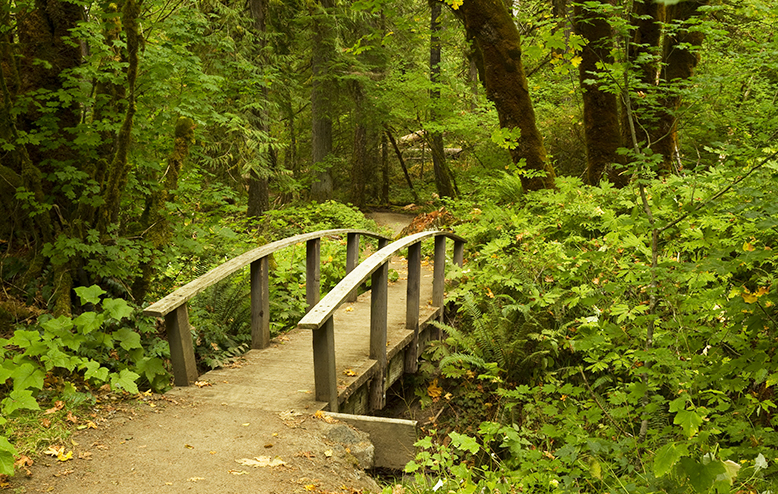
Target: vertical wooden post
324 364
260 303
179 338
459 253
312 272
439 271
352 259
383 242
413 295
378 328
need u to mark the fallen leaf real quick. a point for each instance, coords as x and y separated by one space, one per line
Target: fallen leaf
305 454
433 390
57 407
202 384
195 479
246 424
86 455
23 462
65 457
54 450
188 446
262 461
349 372
71 418
46 423
91 425
328 453
348 309
310 487
268 445
63 473
238 472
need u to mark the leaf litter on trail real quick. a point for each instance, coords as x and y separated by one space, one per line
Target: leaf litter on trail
262 461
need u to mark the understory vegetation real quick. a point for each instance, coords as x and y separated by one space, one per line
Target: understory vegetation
577 364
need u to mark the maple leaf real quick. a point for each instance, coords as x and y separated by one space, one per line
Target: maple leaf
54 450
24 462
71 418
349 372
56 408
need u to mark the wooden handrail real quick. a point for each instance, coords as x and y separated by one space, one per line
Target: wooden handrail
320 317
174 306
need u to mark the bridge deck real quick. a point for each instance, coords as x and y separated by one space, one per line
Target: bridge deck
281 378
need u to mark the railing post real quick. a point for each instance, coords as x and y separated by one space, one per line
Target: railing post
439 271
383 242
413 295
260 303
312 272
378 326
352 259
179 338
324 364
459 253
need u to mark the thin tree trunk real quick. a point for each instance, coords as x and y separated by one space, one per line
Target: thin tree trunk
259 190
679 64
384 169
443 182
601 111
321 92
359 156
499 44
402 164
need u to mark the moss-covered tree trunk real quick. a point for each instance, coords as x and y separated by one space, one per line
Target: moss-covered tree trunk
600 106
499 44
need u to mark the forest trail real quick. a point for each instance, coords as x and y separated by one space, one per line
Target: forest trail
190 440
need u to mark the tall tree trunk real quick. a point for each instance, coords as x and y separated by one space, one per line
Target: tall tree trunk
679 62
321 132
359 165
601 111
443 181
385 178
259 190
499 44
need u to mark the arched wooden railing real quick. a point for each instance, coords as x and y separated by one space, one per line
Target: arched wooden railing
174 307
320 318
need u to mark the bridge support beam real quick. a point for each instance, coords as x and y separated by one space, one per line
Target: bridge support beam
182 354
260 303
325 378
439 280
378 327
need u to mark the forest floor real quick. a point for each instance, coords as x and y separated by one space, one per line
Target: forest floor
157 443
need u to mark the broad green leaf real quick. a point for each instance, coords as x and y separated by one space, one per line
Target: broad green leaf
760 463
7 452
89 321
667 456
700 476
689 420
125 380
24 339
127 338
117 308
19 399
89 295
94 371
464 442
28 376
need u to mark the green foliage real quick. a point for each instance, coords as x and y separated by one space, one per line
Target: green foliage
98 347
567 274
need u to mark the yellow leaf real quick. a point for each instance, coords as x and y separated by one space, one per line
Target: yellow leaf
748 247
65 457
349 372
763 290
748 297
576 61
434 390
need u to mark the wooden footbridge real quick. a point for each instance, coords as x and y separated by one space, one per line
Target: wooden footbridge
346 351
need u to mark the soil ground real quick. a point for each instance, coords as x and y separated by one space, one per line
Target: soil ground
174 443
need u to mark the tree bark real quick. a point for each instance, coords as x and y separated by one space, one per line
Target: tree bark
321 87
443 180
600 106
259 186
678 67
499 44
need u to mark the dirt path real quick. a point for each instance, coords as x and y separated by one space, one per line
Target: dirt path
174 443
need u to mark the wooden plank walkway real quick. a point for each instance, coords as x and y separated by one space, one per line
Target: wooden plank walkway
281 377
